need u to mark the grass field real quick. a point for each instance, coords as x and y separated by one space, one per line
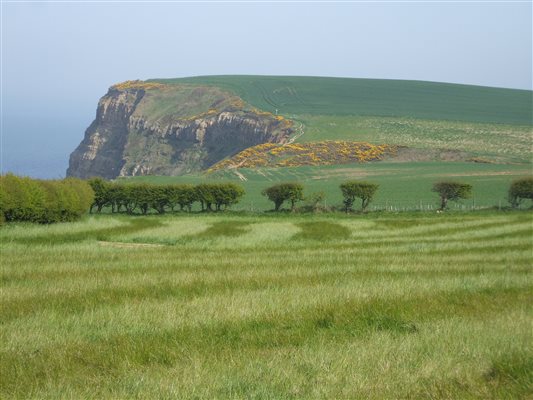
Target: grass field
498 142
269 307
376 97
403 186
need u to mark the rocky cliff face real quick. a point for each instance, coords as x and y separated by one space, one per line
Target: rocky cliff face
153 129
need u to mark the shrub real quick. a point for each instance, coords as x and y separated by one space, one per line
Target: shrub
451 191
519 190
22 199
226 194
282 192
102 194
218 194
43 201
204 194
357 189
182 195
315 202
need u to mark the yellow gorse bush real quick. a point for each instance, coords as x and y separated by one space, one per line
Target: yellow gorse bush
313 153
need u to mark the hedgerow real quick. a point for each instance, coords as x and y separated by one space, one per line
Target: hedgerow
43 201
144 197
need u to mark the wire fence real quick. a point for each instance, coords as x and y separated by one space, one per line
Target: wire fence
386 207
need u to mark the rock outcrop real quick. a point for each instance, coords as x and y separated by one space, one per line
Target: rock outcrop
144 128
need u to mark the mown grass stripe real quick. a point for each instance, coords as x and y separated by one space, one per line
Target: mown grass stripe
134 225
403 307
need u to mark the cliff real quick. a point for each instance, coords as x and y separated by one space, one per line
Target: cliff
146 128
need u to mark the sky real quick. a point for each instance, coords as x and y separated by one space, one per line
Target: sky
59 58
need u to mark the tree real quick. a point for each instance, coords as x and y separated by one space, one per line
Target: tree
315 200
282 192
143 195
451 191
43 201
101 190
358 189
117 196
183 195
23 199
128 197
519 190
204 194
227 194
159 198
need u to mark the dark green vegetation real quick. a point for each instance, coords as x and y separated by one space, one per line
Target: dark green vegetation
375 97
162 198
358 190
378 305
43 201
452 191
520 190
280 193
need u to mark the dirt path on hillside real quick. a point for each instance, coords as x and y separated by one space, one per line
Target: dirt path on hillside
299 133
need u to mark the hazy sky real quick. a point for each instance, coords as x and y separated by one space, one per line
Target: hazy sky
59 58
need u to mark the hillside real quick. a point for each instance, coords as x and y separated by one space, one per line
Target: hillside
375 97
187 125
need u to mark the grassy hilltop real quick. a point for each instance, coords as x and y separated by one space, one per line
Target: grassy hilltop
375 97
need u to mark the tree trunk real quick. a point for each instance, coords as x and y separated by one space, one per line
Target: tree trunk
443 203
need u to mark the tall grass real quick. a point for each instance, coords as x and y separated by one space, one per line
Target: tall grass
278 307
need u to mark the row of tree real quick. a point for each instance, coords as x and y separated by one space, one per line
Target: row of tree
143 197
43 201
520 190
46 201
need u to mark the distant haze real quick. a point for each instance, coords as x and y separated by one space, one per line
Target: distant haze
58 59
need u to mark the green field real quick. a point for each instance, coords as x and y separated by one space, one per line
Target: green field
375 97
498 142
422 306
403 185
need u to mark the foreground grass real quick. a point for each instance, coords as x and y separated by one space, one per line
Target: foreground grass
268 307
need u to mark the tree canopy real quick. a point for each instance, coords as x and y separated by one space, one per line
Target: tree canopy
43 201
352 190
278 194
162 198
453 191
520 189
